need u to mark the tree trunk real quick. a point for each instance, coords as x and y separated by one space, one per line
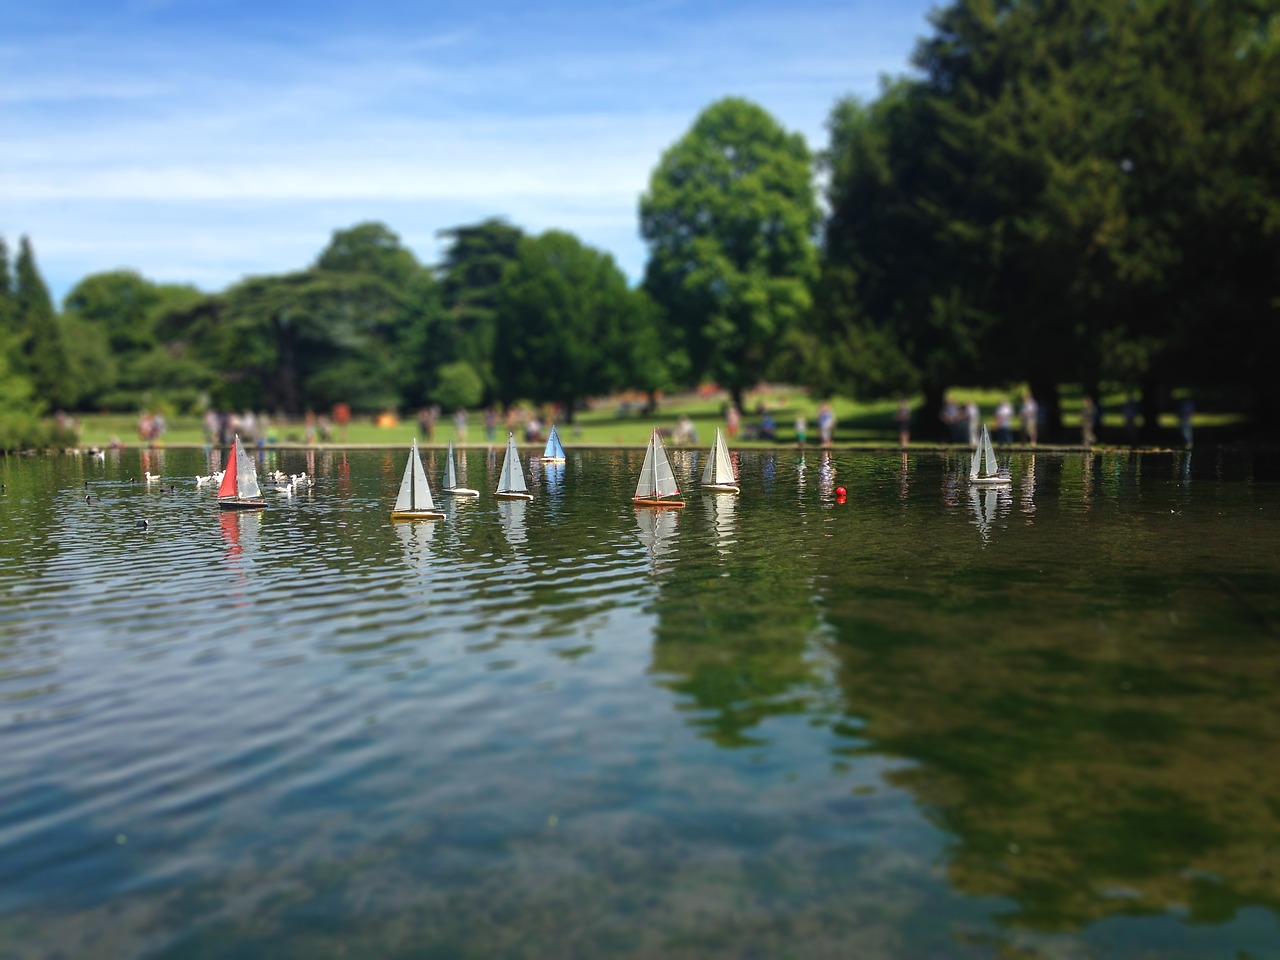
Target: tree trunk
928 420
1153 401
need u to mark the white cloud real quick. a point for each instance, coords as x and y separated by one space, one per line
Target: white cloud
203 158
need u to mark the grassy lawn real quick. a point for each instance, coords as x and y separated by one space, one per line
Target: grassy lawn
620 422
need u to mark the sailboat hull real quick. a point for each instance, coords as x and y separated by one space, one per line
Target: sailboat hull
461 492
552 459
655 502
416 515
991 481
512 495
722 487
238 504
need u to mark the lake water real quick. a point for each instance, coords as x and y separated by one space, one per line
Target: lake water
1035 723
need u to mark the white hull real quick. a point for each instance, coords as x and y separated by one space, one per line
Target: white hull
722 487
510 495
461 492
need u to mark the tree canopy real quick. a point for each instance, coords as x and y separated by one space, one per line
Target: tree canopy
568 324
730 218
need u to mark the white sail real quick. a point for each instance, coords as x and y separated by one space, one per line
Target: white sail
989 452
645 486
656 477
719 470
976 467
554 449
415 492
450 474
512 478
246 474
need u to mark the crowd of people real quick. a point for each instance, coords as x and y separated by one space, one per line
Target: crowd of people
1012 420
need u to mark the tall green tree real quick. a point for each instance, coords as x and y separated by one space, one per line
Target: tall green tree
471 278
567 323
299 341
730 218
1069 192
412 330
6 289
44 356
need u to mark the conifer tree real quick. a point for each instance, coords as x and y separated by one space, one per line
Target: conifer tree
43 354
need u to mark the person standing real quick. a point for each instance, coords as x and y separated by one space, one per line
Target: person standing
1004 421
732 421
1185 413
1030 419
904 423
826 424
1088 417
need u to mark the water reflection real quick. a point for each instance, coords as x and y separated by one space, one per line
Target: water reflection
720 509
657 530
511 514
840 732
1027 502
415 540
826 474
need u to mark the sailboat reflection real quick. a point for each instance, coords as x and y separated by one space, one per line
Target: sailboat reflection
657 527
415 540
239 529
553 477
511 514
985 502
721 512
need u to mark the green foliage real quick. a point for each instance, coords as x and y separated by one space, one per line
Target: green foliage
730 217
458 386
406 337
370 248
1070 191
471 275
566 322
43 355
6 291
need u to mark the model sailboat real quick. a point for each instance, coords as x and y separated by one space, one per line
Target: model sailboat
239 489
719 473
451 478
414 500
554 452
983 471
511 485
657 486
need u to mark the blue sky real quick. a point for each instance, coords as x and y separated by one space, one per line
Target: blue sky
200 141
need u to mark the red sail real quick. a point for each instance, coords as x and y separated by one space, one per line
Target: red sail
228 487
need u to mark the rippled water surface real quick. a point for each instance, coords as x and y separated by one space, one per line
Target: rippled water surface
920 722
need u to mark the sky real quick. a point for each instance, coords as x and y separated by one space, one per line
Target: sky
202 141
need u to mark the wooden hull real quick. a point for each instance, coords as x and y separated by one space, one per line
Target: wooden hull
237 504
722 487
416 515
552 459
461 492
507 495
647 502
